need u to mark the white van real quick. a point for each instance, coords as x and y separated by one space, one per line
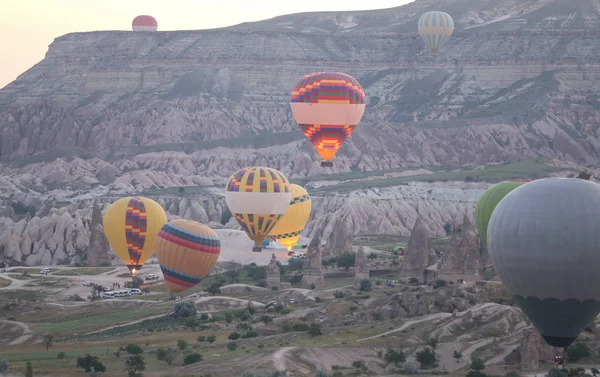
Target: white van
135 292
108 295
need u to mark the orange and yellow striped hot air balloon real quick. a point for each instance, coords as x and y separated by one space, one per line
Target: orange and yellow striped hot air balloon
187 251
328 106
258 197
131 225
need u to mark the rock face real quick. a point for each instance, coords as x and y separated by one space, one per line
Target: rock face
172 114
99 248
418 254
534 350
462 256
273 273
312 270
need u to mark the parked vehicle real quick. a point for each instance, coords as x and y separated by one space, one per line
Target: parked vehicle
44 271
152 277
87 283
135 292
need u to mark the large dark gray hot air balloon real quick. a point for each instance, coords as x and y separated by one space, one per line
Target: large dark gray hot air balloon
544 241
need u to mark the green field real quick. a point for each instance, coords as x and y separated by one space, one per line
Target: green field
83 271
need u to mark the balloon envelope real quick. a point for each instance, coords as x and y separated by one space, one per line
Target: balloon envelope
544 243
131 225
328 106
436 28
144 23
290 227
257 197
489 200
187 251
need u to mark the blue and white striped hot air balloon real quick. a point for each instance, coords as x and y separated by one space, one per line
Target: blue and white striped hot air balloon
436 28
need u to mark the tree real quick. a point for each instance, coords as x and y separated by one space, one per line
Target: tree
394 356
413 281
228 317
211 339
182 344
232 346
372 256
266 319
346 260
234 274
457 355
201 339
28 369
192 358
48 339
4 364
89 362
432 342
360 366
315 329
426 357
192 323
295 280
578 351
134 349
184 310
135 364
234 336
166 354
213 289
137 282
447 228
477 364
365 285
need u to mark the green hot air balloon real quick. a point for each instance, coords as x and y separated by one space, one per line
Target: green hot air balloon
489 200
544 243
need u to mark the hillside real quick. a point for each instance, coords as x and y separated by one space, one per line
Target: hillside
172 114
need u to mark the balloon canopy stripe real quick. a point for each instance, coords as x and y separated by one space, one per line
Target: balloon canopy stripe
195 242
328 87
288 235
258 179
300 199
178 278
136 226
327 139
255 224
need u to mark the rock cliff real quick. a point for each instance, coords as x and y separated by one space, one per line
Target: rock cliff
172 114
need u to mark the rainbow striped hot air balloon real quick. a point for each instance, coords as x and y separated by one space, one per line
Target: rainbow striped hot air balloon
436 28
187 251
327 107
258 197
131 225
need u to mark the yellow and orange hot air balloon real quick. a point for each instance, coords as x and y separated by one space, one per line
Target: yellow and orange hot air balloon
131 225
328 106
186 251
258 197
290 227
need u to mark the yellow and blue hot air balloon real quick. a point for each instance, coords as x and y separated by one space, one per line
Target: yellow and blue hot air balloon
258 197
436 28
131 225
290 227
187 251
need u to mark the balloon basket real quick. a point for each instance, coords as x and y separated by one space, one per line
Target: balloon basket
257 249
326 164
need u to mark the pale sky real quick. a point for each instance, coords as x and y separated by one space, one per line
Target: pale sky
27 27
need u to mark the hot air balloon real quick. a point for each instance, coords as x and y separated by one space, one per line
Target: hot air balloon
436 28
258 197
290 227
186 251
489 200
144 23
544 243
328 106
131 225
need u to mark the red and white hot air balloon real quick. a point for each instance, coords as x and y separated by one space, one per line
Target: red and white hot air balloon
144 23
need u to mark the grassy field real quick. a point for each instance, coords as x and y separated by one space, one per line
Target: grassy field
83 271
529 169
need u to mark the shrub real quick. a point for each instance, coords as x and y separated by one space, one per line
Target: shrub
426 357
134 349
232 346
166 354
182 344
577 352
234 336
88 362
61 355
338 294
439 284
184 310
365 285
192 358
315 329
395 356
